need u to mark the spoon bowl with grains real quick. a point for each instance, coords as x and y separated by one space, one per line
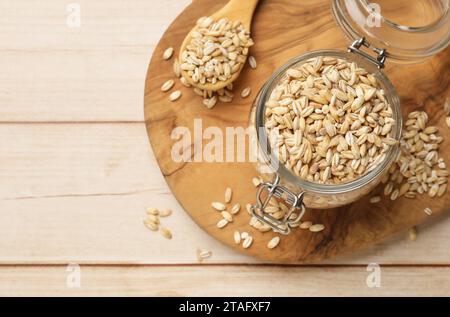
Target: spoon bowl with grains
214 52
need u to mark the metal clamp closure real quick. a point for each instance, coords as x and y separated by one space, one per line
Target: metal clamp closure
294 202
381 53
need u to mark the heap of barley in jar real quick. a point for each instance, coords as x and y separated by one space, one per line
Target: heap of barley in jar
328 121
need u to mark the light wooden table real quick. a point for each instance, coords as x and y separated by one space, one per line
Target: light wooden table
77 173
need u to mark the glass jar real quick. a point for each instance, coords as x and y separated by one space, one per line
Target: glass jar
410 30
416 44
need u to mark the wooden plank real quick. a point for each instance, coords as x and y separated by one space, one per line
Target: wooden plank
38 25
223 281
78 192
51 72
103 228
96 85
75 159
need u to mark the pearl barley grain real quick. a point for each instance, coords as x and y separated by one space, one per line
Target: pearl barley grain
176 68
252 62
218 206
228 194
203 254
184 82
428 211
165 213
256 181
152 211
153 218
305 225
166 233
227 216
175 95
447 106
210 102
273 243
167 85
316 228
151 225
168 53
246 92
247 242
394 194
222 223
237 237
235 209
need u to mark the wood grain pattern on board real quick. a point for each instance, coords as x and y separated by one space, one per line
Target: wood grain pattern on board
283 29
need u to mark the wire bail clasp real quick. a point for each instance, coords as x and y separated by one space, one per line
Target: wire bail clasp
294 201
381 53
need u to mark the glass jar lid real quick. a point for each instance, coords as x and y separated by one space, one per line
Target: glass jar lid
409 30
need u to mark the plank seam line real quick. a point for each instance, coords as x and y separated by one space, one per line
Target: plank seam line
79 195
71 122
199 265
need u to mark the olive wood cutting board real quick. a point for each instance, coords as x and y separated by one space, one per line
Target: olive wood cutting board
282 29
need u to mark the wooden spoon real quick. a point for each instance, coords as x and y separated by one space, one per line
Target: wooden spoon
234 10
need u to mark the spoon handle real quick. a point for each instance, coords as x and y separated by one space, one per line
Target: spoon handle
241 10
246 5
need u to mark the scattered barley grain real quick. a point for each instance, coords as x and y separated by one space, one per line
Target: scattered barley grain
235 209
316 228
305 225
222 223
237 237
228 194
247 242
151 225
252 62
218 206
273 243
175 95
168 53
167 85
246 92
165 213
166 233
